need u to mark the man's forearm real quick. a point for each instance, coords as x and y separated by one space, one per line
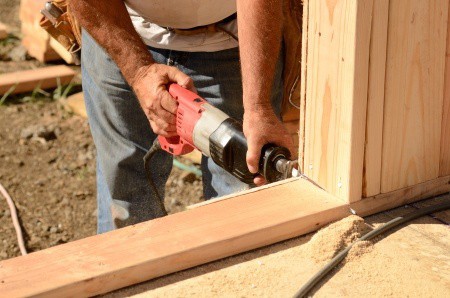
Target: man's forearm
260 27
109 24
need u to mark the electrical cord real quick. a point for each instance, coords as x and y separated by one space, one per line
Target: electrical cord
15 220
372 234
156 146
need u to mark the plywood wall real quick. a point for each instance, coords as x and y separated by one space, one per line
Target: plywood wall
337 60
413 92
375 102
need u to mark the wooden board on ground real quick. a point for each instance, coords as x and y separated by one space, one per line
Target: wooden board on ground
76 104
413 92
336 94
28 80
103 263
412 256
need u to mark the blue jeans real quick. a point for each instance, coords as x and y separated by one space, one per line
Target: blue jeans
122 133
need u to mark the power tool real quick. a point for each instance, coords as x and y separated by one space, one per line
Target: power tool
204 127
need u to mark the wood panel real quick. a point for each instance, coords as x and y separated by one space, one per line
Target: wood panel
137 253
336 94
413 92
375 101
444 164
400 197
28 80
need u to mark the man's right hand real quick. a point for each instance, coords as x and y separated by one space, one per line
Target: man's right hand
150 85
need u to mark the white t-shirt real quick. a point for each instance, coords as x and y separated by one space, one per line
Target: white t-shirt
152 17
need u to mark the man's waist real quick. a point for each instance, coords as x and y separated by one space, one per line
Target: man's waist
214 27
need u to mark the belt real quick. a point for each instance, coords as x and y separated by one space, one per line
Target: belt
215 27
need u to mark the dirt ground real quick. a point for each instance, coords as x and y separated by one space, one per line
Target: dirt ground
47 161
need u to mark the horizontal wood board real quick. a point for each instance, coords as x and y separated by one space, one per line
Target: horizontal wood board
43 78
134 254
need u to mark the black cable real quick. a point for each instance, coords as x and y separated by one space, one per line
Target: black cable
156 146
372 234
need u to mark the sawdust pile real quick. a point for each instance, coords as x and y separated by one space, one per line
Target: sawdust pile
329 241
387 268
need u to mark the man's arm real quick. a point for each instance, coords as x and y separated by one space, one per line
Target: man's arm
260 33
109 24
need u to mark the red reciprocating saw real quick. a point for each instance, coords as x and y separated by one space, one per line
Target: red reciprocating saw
202 126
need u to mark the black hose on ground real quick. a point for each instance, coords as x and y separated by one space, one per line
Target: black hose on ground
372 234
156 146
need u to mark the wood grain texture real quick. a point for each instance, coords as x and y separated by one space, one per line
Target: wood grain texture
375 100
28 80
137 253
413 92
336 94
302 116
402 196
444 163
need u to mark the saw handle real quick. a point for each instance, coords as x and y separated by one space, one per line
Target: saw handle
188 112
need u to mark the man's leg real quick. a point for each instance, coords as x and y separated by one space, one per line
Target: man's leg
122 136
217 77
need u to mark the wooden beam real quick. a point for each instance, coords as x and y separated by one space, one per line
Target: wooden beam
336 94
28 80
375 100
413 92
444 163
127 256
402 196
302 116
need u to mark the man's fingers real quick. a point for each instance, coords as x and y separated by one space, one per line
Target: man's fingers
168 103
164 115
161 127
253 154
180 78
259 180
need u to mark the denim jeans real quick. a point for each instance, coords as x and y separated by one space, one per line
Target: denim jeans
122 133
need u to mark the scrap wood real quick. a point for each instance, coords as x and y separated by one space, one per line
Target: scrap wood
28 80
75 103
3 31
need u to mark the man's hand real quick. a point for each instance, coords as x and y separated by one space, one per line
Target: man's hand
150 86
262 127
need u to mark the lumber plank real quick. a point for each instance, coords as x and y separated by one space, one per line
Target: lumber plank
137 253
413 92
3 31
375 100
75 103
28 80
444 163
336 94
407 195
303 67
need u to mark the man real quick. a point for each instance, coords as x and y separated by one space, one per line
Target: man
133 49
